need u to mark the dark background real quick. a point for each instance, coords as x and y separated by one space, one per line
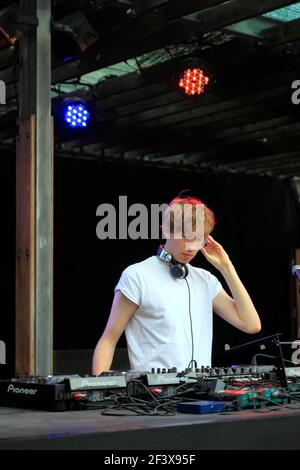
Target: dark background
7 278
257 223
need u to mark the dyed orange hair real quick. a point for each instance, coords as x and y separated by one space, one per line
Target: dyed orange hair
209 216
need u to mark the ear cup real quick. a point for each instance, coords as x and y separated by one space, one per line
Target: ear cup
179 271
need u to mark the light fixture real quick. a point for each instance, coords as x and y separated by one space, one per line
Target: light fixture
14 24
75 113
77 27
193 78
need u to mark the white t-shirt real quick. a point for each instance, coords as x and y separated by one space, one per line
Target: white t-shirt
159 333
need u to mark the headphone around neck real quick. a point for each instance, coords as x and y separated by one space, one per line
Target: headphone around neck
178 270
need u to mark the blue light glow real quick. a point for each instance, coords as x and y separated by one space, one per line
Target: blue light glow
73 115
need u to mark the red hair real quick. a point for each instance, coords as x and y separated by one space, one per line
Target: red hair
209 216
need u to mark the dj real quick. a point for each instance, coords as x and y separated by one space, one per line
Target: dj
165 304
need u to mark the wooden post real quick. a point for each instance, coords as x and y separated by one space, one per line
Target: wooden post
34 178
25 249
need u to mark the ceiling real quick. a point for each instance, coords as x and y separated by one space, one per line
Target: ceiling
245 123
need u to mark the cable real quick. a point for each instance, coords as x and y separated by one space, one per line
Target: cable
157 406
192 362
268 400
254 361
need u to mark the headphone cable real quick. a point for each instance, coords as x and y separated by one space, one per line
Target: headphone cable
192 362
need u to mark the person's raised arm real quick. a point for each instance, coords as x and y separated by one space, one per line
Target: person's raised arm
239 311
121 312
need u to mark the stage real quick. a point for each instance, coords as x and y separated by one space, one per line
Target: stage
89 430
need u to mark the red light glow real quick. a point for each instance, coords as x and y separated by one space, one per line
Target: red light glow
193 81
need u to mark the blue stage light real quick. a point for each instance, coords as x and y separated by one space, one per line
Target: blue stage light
76 115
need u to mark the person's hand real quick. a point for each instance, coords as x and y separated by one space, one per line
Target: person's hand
215 254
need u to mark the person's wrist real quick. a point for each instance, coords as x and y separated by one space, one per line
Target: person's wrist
226 267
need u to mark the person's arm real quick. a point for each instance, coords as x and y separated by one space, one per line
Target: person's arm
239 311
121 312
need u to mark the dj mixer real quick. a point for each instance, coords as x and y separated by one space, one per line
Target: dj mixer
244 385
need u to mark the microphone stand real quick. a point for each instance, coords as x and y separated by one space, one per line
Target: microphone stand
275 347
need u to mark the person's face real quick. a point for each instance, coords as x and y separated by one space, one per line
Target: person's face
183 249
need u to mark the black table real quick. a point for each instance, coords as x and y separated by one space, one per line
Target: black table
31 429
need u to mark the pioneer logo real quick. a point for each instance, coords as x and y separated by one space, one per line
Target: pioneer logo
106 383
21 391
162 379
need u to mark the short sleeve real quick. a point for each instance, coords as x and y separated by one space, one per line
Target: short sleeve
129 285
215 286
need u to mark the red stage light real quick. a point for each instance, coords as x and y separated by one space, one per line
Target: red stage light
193 81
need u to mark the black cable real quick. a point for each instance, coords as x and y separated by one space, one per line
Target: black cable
229 408
141 384
257 398
146 409
157 406
192 362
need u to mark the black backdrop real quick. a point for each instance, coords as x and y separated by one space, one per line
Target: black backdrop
257 222
7 278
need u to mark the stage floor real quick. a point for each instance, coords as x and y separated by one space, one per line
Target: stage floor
31 429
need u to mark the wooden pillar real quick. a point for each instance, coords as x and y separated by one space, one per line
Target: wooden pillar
34 198
25 248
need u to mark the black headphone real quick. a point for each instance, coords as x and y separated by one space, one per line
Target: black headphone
178 270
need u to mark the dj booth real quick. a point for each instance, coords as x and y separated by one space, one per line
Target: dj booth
221 408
